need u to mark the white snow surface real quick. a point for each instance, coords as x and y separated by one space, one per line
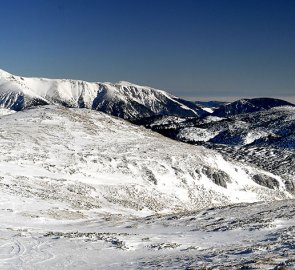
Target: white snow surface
4 111
209 110
76 187
196 134
91 160
132 99
255 134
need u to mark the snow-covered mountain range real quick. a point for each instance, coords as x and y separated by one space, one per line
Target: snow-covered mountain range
82 189
167 114
123 99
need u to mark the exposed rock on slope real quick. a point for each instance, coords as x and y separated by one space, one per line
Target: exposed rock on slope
274 127
89 160
264 138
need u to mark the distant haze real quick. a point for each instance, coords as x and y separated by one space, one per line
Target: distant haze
234 98
196 49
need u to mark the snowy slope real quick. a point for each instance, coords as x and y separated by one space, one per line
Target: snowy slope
264 138
243 236
77 186
90 160
275 126
123 99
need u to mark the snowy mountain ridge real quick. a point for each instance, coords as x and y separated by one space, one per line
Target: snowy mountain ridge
123 99
249 106
81 189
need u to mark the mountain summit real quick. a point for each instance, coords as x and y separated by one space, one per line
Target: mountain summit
123 99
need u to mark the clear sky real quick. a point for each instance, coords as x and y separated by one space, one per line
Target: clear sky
193 48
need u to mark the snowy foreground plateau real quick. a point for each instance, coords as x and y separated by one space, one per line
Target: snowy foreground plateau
80 189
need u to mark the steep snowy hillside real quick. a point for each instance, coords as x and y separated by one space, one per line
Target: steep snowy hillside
278 161
249 105
123 99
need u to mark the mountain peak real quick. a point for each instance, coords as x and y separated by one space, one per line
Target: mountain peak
122 99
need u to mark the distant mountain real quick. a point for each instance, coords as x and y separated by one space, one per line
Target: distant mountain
210 104
123 99
249 105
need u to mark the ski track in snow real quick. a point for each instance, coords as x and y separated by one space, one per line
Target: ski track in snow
257 236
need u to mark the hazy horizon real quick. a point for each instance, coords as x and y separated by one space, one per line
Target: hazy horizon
191 98
231 99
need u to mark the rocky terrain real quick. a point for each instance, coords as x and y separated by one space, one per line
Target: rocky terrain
264 139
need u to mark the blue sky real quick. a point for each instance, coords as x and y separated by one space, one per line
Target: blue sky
193 48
